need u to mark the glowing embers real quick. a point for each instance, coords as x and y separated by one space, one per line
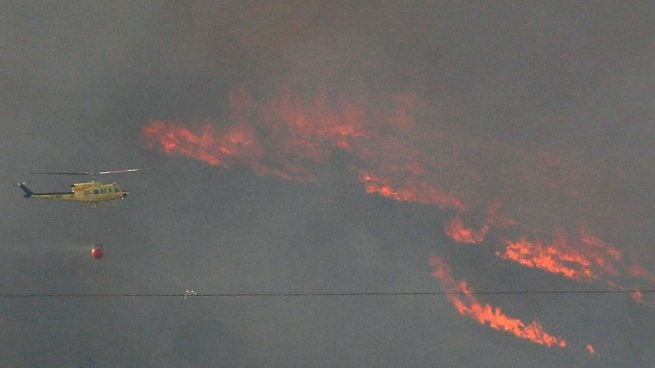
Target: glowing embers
641 273
467 305
207 145
637 296
410 191
585 258
313 129
462 234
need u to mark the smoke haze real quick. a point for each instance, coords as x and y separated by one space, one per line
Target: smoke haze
329 147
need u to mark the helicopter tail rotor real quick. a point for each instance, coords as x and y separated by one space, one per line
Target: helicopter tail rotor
28 191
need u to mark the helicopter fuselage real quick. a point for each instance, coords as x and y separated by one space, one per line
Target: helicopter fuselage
90 192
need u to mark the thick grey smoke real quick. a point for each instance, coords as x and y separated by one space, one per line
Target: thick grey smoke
81 79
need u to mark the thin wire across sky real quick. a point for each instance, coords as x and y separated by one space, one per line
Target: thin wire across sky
194 294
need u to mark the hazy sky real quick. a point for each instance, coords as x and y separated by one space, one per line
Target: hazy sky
529 121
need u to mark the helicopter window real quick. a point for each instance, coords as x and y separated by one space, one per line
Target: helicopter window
96 192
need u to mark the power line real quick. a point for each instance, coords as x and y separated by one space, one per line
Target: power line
320 294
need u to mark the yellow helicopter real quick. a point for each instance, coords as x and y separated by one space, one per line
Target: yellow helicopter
91 192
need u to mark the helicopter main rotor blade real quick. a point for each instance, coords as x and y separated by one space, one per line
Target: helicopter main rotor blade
118 171
88 173
60 173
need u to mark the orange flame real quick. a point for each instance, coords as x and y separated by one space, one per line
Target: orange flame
591 350
394 156
583 260
638 271
416 192
299 134
315 129
637 296
207 145
461 234
467 305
